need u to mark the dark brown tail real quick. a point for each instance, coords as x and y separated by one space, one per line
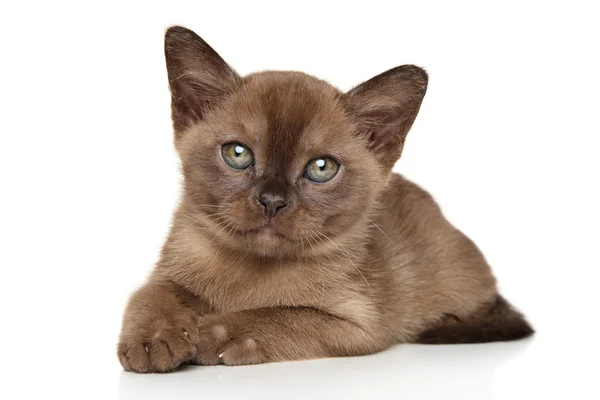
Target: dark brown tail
497 321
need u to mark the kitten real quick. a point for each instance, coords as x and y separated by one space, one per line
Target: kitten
293 239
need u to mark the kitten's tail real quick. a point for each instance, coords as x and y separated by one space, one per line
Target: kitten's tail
497 321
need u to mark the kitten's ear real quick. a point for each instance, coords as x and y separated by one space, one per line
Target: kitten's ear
386 107
198 77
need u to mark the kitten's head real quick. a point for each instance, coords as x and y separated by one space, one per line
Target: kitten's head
282 162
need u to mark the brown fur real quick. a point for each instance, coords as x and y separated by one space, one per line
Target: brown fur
349 267
494 321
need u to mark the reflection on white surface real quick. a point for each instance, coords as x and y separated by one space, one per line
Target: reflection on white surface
415 371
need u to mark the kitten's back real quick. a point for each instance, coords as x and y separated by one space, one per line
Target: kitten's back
442 279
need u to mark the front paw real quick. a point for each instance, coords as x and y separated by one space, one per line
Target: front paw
158 345
224 343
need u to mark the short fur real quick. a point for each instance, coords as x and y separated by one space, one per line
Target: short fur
349 267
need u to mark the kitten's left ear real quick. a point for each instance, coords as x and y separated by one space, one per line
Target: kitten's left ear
198 77
386 107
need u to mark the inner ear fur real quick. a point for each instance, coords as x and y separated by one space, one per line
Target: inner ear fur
198 77
386 106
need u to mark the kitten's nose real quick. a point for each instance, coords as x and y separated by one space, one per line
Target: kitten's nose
272 204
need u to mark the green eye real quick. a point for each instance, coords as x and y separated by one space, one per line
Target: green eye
322 169
237 156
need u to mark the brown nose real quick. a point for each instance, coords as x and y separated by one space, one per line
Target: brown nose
272 204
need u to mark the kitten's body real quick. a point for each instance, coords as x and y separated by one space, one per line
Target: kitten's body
349 267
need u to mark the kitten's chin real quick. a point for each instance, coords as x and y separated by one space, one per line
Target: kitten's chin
265 240
267 235
270 236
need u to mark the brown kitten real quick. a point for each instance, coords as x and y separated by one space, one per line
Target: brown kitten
293 239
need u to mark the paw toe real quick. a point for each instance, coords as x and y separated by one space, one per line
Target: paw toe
242 351
133 357
160 356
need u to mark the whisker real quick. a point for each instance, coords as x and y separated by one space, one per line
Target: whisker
225 226
380 230
230 225
320 272
344 252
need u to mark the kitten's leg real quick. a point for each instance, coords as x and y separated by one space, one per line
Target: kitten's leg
280 334
159 332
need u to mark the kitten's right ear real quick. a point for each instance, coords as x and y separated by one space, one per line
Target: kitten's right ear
198 77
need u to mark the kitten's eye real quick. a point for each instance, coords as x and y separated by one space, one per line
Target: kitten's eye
237 156
321 169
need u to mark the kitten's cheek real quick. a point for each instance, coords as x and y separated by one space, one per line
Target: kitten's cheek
241 216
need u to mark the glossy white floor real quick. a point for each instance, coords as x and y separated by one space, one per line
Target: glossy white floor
495 371
507 141
546 366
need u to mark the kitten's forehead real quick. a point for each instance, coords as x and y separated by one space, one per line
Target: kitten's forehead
287 112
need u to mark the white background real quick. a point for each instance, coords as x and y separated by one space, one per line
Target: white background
507 141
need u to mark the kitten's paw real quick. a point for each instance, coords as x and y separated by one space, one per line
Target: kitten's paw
242 351
159 346
219 344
